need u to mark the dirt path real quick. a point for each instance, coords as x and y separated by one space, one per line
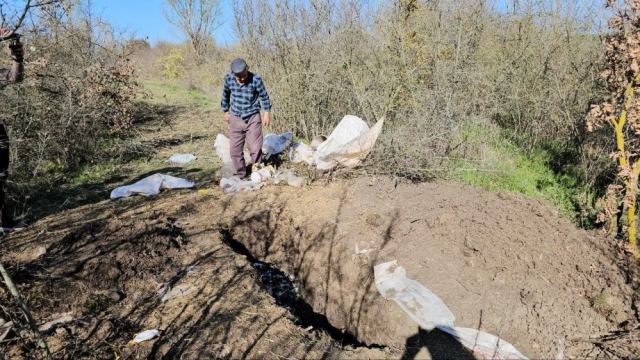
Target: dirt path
274 273
97 274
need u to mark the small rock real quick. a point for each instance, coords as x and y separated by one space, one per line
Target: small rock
41 250
104 330
240 262
115 296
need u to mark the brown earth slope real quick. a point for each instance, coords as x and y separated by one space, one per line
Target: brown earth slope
502 262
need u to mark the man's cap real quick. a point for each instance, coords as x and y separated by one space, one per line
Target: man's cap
238 66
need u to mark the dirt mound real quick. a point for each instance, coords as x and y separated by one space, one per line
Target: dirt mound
92 285
193 266
505 263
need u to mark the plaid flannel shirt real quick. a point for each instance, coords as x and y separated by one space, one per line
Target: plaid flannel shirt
244 100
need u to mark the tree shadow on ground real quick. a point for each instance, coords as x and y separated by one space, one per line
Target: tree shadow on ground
209 325
53 193
439 344
47 199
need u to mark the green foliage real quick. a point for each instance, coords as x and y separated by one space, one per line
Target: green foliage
173 92
97 304
603 304
173 65
545 173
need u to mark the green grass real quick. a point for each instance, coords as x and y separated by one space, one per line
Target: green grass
175 93
541 173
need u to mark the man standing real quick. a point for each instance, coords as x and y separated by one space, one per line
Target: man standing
241 96
13 74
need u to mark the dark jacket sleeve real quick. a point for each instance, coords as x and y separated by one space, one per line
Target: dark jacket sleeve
226 93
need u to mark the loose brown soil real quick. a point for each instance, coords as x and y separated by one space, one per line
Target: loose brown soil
505 263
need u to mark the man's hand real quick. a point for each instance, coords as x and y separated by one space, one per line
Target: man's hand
227 116
16 51
266 121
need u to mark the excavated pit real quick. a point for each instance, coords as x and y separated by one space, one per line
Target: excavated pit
284 290
532 274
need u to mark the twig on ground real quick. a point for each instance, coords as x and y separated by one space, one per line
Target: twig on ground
25 309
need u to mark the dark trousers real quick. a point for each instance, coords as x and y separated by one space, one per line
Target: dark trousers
4 173
239 132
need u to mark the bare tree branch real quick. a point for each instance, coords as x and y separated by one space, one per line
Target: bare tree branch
27 5
197 19
25 309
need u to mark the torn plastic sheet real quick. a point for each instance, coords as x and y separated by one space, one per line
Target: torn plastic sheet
234 184
348 145
145 336
182 158
274 144
302 152
151 185
423 306
429 312
484 344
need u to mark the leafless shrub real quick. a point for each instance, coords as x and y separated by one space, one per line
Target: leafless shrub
436 70
78 95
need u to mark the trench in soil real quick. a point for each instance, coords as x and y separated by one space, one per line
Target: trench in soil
284 290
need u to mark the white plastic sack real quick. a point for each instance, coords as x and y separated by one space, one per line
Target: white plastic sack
235 184
222 144
275 144
484 344
151 185
428 311
348 129
423 306
349 143
302 153
182 158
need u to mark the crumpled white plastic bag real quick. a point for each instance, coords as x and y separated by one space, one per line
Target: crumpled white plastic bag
151 185
348 145
350 154
428 311
182 158
234 184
